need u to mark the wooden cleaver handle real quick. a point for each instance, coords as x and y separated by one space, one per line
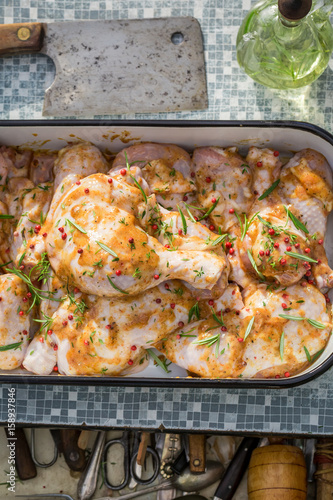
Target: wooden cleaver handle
197 452
21 37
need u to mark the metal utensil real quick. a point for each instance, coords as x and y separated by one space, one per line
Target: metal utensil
169 446
119 66
130 461
185 482
33 452
88 481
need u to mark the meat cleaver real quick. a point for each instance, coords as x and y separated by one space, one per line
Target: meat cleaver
116 67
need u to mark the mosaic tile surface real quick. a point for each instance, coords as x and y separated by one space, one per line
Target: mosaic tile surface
232 95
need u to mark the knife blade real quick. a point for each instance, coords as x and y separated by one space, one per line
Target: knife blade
119 66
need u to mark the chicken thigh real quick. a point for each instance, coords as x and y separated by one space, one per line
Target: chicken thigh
93 241
223 177
306 181
14 321
94 335
274 333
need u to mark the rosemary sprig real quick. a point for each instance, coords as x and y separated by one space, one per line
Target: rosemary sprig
246 224
249 328
158 361
218 320
209 211
194 311
14 346
189 213
282 346
183 219
297 223
254 265
21 258
312 322
128 166
46 322
107 249
37 295
76 226
300 257
219 239
317 355
209 341
269 190
115 286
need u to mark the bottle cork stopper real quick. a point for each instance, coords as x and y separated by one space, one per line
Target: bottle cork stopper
293 10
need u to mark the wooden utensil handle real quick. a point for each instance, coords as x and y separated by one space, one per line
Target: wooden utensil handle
21 37
197 452
25 467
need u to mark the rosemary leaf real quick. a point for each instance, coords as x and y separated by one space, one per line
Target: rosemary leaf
297 223
157 360
282 346
249 328
308 355
115 286
316 324
183 219
254 265
107 249
76 226
269 190
14 346
301 257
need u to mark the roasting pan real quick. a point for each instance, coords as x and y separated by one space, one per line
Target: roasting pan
112 136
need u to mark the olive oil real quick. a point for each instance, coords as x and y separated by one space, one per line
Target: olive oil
283 52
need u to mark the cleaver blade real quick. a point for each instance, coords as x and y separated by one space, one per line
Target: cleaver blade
117 67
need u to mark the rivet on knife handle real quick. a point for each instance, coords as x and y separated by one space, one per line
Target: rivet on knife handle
20 38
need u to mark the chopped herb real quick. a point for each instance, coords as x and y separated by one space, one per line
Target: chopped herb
219 239
282 346
158 361
183 220
76 226
300 257
269 190
297 223
115 286
6 216
21 258
107 249
293 318
316 324
194 311
249 328
254 265
14 346
308 355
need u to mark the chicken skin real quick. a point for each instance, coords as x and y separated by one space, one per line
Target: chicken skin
128 260
268 335
216 260
14 321
95 335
